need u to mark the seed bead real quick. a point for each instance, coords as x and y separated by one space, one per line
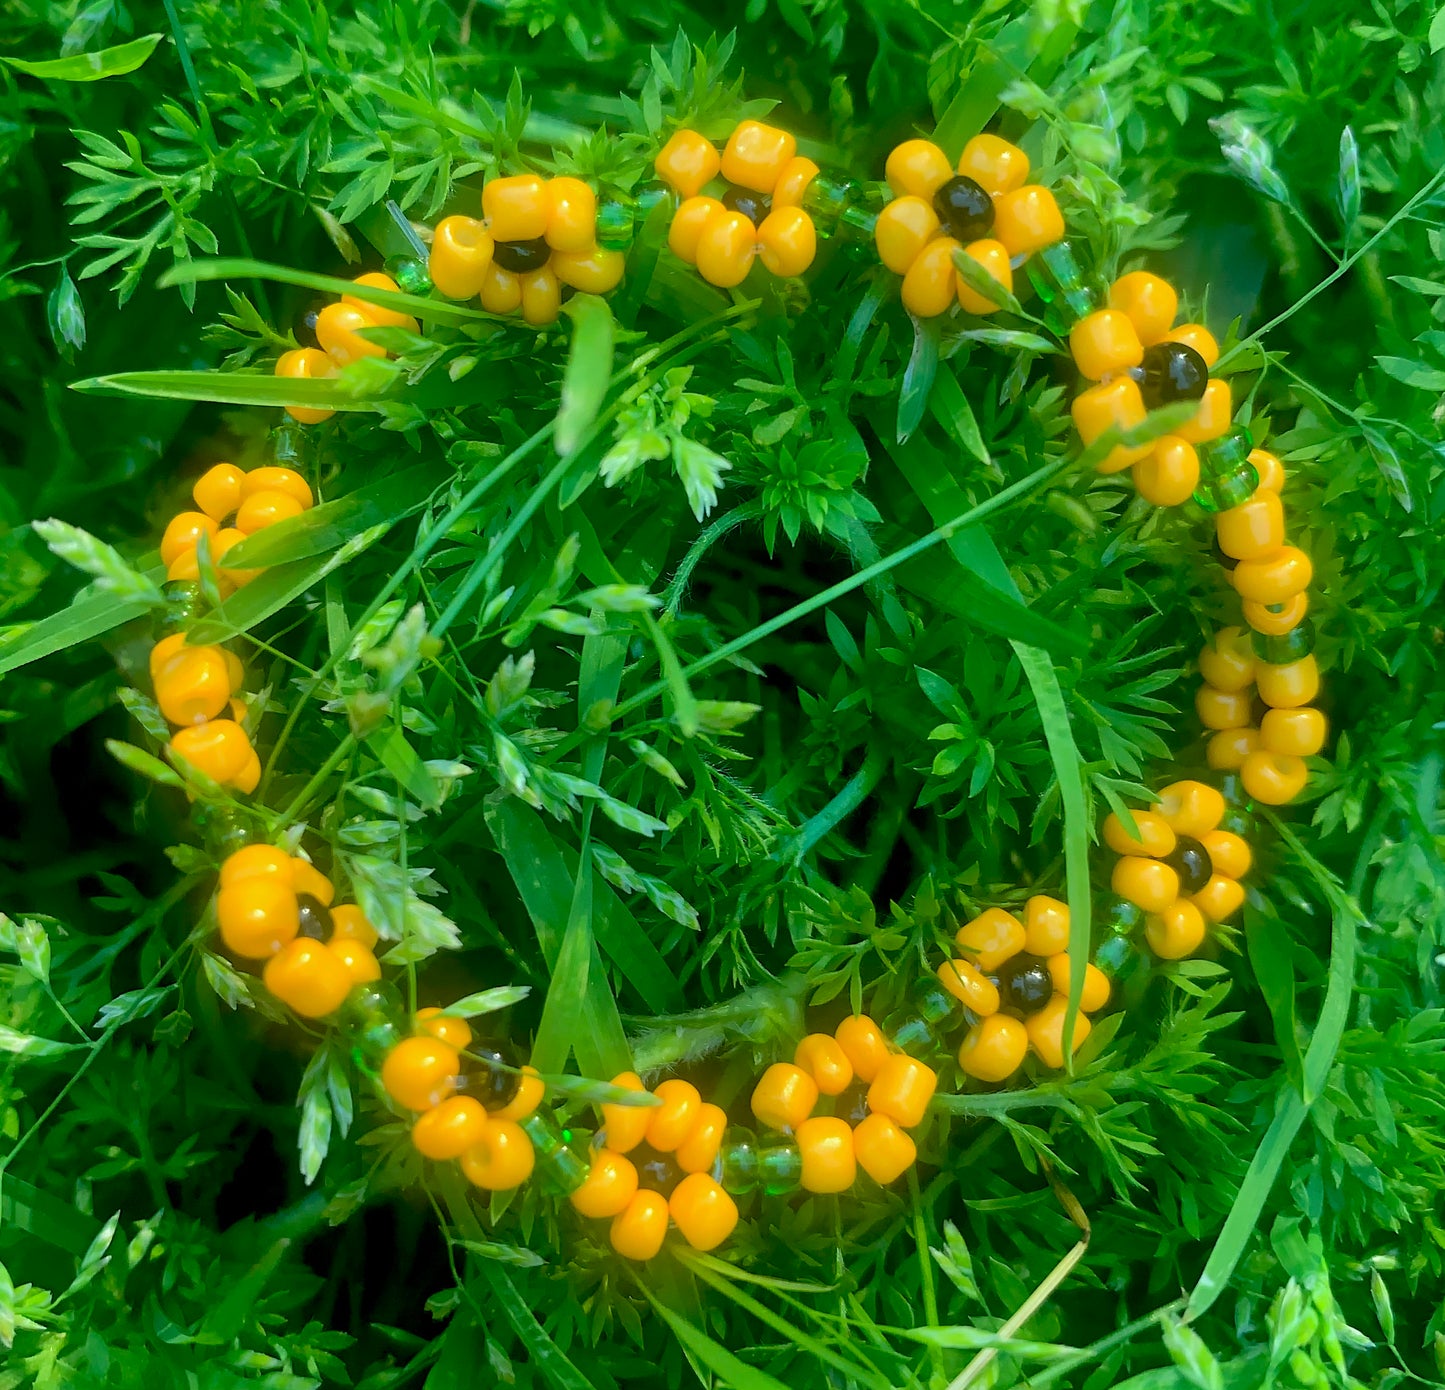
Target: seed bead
1274 778
787 242
1297 731
687 162
530 1091
829 1162
263 509
306 364
193 686
1288 686
902 1089
1168 476
419 1073
1046 925
183 531
793 183
756 155
1149 301
882 1149
541 297
1219 899
1027 220
572 220
610 1185
461 251
1270 470
725 249
626 1124
702 1211
257 917
994 1048
863 1042
1046 1031
991 938
994 258
917 167
1176 932
594 271
1254 528
930 284
1096 983
338 330
1105 342
1262 619
379 314
902 230
516 208
826 1061
1198 337
784 1096
450 1129
1191 808
1229 853
698 1152
638 1231
1154 837
258 861
1214 416
1146 883
972 989
218 491
308 977
220 749
1228 749
671 1122
501 291
501 1159
1228 662
348 923
1113 404
995 164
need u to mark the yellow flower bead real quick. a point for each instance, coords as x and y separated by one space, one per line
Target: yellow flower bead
349 924
308 977
193 686
787 241
1100 408
1274 778
671 1122
1197 336
541 297
1046 926
1214 416
516 208
1252 529
1027 220
306 364
450 1129
863 1042
1104 342
726 248
609 1186
756 155
593 272
338 330
993 257
902 230
461 251
687 226
258 861
702 1211
307 878
973 990
263 509
1228 749
274 479
1169 475
1191 808
257 917
501 291
824 1059
1228 662
994 1048
501 1159
1273 578
1219 899
698 1152
1149 301
530 1091
902 1089
186 565
221 750
1176 932
687 162
226 539
183 531
1229 853
1046 1031
640 1228
1290 685
380 315
1155 838
917 167
996 165
1291 614
1223 709
218 491
1147 883
784 1096
829 1163
361 966
991 938
793 182
883 1150
1096 983
572 222
1298 732
626 1125
1266 464
420 1072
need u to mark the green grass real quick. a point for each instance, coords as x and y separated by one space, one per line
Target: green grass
898 670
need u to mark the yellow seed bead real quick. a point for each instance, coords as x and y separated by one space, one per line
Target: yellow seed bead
593 272
1228 749
687 226
997 166
793 182
193 686
1105 342
360 964
1219 899
218 491
1176 932
994 1048
1252 529
931 284
380 315
609 1186
349 924
1100 408
263 509
994 258
541 297
501 291
338 330
516 208
1046 1031
756 155
1291 615
1146 883
1269 468
307 977
902 1089
784 1096
1229 853
638 1231
501 1159
1273 578
1227 663
824 1059
787 241
1298 732
306 364
257 917
702 1211
726 248
1214 416
671 1122
863 1042
307 878
918 167
626 1125
883 1149
1155 838
1149 301
221 750
687 162
461 251
446 1028
1223 709
183 531
991 938
902 230
419 1073
1290 685
698 1152
1169 475
1197 336
1046 926
1191 808
273 479
1096 983
829 1162
572 222
972 989
530 1091
1027 220
449 1130
257 861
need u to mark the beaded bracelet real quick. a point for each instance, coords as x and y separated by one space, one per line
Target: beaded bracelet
955 233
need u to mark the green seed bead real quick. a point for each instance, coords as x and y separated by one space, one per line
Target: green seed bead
1066 290
1238 821
184 604
372 1017
1226 476
1290 646
410 274
556 1159
934 1004
225 831
1120 917
614 224
649 195
827 199
1119 958
290 446
737 1163
910 1032
780 1168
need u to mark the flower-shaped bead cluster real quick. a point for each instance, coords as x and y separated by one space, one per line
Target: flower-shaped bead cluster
1013 978
535 235
760 213
985 208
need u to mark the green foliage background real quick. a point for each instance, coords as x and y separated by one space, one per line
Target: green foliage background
782 813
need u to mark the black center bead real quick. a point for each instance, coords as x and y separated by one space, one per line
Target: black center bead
494 1085
304 329
522 256
1172 372
314 916
963 207
657 1171
1191 861
753 206
1025 983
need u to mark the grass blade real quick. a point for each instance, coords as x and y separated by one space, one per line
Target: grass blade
589 370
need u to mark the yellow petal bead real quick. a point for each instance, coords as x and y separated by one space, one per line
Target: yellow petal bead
1191 808
380 315
671 1122
1154 837
1267 465
787 241
687 226
931 283
698 1152
257 861
349 924
687 162
446 1028
1229 853
308 977
1027 220
1176 932
1262 619
994 258
501 1159
263 509
274 479
756 155
541 297
626 1125
863 1042
183 531
1096 983
1228 662
638 1230
793 182
1298 732
1214 416
360 965
226 538
1105 342
218 491
593 272
307 878
221 750
501 291
1100 408
972 989
609 1186
784 1096
450 1129
883 1149
257 917
1273 578
1169 475
1149 301
1046 926
1228 749
824 1059
1219 899
1197 336
338 330
1223 709
702 1211
1290 685
902 1089
1046 1031
726 248
419 1073
991 938
1252 529
1147 883
994 1048
530 1091
902 230
918 167
996 165
826 1146
461 251
193 686
306 364
516 208
572 222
